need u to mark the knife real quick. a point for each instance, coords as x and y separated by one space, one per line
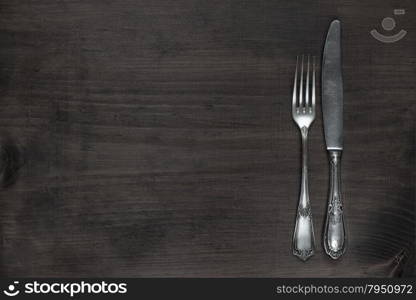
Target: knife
332 102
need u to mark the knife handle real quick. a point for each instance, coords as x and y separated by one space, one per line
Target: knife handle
334 235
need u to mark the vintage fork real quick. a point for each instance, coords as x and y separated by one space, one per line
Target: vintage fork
303 113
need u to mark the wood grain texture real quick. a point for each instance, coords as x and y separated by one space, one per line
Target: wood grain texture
154 138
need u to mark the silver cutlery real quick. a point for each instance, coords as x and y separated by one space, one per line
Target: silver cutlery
303 113
332 108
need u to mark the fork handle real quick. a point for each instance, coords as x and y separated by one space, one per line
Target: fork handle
334 235
303 235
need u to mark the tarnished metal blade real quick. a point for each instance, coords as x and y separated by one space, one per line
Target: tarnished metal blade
332 91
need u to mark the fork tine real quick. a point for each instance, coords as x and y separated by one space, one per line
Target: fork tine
313 84
301 85
294 98
307 105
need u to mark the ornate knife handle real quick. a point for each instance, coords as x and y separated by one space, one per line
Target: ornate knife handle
303 235
334 235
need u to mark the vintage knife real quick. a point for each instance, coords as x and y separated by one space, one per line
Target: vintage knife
332 102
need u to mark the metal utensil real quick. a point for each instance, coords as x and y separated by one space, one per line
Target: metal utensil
303 113
332 107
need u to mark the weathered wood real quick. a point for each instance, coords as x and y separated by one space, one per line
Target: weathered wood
154 138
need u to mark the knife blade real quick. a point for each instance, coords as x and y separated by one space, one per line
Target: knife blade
332 102
332 93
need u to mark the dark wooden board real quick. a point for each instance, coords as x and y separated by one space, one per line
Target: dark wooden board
154 138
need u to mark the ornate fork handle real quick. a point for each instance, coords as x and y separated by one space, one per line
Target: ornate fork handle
303 236
334 235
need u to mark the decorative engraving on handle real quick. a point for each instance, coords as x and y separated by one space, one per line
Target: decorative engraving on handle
303 254
335 210
305 211
303 235
334 235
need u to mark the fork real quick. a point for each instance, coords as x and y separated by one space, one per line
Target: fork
303 113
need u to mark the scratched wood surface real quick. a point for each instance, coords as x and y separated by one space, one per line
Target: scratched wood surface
154 138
